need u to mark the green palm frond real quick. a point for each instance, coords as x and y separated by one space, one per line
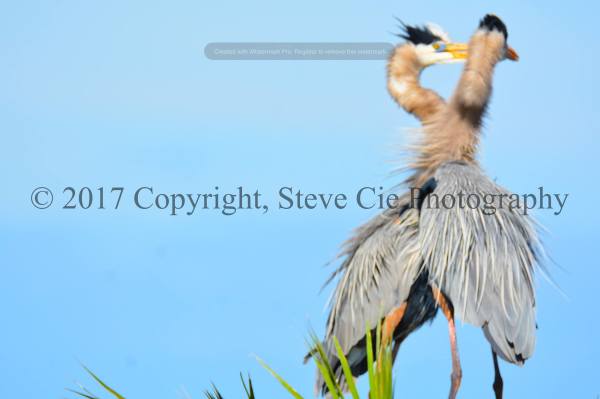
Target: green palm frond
346 368
84 393
215 394
283 382
248 388
379 362
379 368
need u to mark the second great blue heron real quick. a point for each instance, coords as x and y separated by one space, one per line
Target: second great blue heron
407 262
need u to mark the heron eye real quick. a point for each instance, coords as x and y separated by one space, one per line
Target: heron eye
439 46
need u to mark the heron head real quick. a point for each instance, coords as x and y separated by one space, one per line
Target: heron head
492 23
433 45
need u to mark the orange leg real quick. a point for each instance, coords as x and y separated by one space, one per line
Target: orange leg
390 323
456 375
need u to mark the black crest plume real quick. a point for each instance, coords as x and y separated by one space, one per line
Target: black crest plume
492 22
417 34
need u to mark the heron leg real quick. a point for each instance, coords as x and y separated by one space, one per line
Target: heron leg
390 323
448 311
498 383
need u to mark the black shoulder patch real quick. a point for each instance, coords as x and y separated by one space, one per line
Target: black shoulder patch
417 34
424 191
492 22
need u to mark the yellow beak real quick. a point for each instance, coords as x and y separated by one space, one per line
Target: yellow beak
460 51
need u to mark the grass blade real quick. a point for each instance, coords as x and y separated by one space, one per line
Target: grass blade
82 394
332 386
322 362
106 387
215 394
283 382
248 388
346 368
370 361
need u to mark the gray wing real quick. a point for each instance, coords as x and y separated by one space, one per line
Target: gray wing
381 262
482 257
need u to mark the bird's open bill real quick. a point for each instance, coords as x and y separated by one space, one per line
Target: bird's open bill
459 51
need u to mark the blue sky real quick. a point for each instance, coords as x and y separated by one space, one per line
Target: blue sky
120 94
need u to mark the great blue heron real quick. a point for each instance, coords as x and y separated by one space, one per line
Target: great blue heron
414 258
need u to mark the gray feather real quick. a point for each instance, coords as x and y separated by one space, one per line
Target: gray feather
381 263
483 262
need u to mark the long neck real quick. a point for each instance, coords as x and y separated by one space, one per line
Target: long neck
454 134
449 138
403 84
